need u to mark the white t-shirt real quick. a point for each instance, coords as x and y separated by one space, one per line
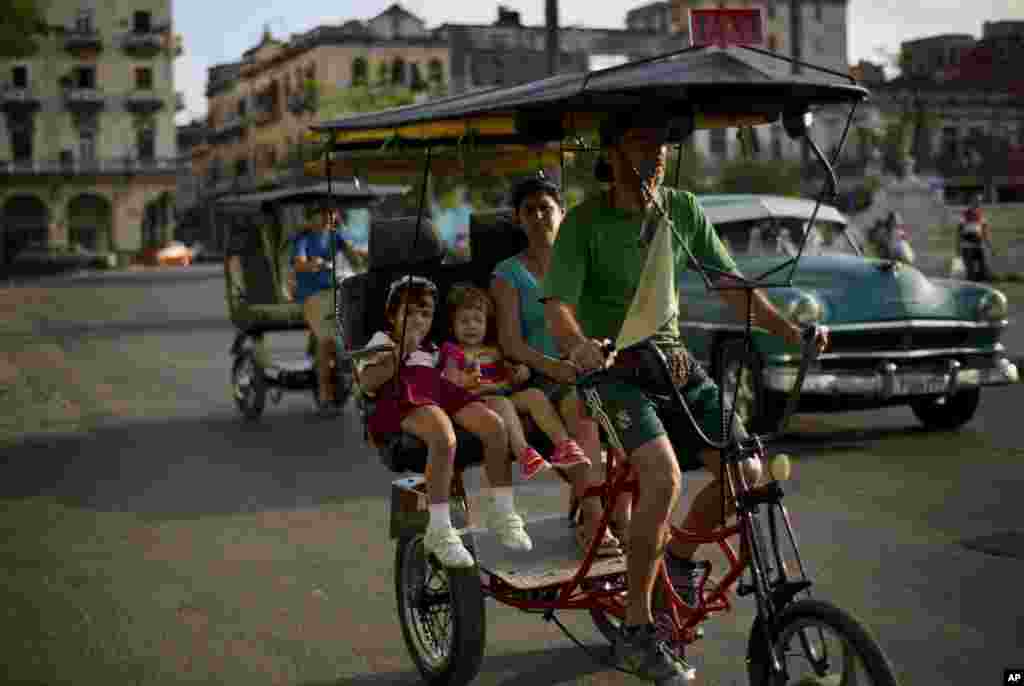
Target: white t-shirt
426 356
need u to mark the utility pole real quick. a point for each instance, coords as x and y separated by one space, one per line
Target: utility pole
551 24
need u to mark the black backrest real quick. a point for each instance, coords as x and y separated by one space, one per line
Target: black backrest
364 298
494 237
396 242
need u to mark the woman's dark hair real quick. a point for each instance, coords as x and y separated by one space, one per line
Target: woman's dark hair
534 184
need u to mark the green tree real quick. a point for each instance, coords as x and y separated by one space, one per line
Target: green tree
24 21
775 177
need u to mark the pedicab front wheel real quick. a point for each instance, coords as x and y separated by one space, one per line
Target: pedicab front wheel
818 644
248 385
441 611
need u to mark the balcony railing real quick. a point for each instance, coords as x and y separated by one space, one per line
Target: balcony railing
232 123
143 101
84 98
143 43
113 165
76 39
19 98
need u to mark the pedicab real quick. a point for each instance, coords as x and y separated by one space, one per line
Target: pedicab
795 638
259 230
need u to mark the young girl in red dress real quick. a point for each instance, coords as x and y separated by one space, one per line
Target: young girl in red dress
474 362
419 401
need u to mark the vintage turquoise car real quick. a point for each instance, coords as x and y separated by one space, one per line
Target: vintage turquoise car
898 336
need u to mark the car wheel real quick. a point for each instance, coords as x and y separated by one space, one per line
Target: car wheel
759 410
948 412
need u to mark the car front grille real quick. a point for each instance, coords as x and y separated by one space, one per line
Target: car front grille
902 339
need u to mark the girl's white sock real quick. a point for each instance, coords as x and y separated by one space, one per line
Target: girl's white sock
503 499
440 517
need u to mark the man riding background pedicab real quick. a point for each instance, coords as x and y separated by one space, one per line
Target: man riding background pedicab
314 283
596 267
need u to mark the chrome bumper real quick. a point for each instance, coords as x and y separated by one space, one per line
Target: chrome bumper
889 381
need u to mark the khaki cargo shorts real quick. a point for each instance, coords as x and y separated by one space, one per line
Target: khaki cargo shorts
317 308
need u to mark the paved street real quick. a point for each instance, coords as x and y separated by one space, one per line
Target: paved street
176 544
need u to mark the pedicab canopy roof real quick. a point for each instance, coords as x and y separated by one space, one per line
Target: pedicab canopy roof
343 194
718 87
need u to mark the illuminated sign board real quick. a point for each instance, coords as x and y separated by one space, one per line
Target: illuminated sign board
727 26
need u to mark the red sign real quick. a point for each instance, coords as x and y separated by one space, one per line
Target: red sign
733 26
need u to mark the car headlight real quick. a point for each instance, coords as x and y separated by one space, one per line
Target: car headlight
804 310
993 306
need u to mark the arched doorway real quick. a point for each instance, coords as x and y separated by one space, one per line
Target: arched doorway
89 222
25 221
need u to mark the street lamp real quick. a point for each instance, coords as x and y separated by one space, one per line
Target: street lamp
551 24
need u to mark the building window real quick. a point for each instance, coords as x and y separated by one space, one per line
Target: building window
144 78
435 72
85 77
771 9
21 132
87 145
719 143
83 21
359 71
416 78
19 77
145 143
142 21
398 72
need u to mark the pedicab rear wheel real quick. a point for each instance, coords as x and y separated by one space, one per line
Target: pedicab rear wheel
441 611
248 385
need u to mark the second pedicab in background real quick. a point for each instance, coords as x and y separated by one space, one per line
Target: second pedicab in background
260 229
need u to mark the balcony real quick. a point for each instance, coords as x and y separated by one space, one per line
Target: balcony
79 40
144 43
232 124
19 99
84 99
113 165
143 101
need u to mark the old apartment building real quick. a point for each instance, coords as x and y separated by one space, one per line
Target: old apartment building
261 106
964 100
87 134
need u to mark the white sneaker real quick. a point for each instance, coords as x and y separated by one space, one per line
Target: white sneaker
446 545
510 530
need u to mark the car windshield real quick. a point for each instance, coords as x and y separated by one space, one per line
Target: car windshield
781 236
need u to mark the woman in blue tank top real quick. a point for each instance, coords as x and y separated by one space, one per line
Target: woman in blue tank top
523 336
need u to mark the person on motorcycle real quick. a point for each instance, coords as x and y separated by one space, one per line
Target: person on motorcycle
973 236
596 264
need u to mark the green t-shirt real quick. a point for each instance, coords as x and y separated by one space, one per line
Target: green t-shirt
598 258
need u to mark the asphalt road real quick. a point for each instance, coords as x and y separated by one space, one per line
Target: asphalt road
176 544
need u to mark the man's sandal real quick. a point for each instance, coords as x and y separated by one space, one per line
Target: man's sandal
610 546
